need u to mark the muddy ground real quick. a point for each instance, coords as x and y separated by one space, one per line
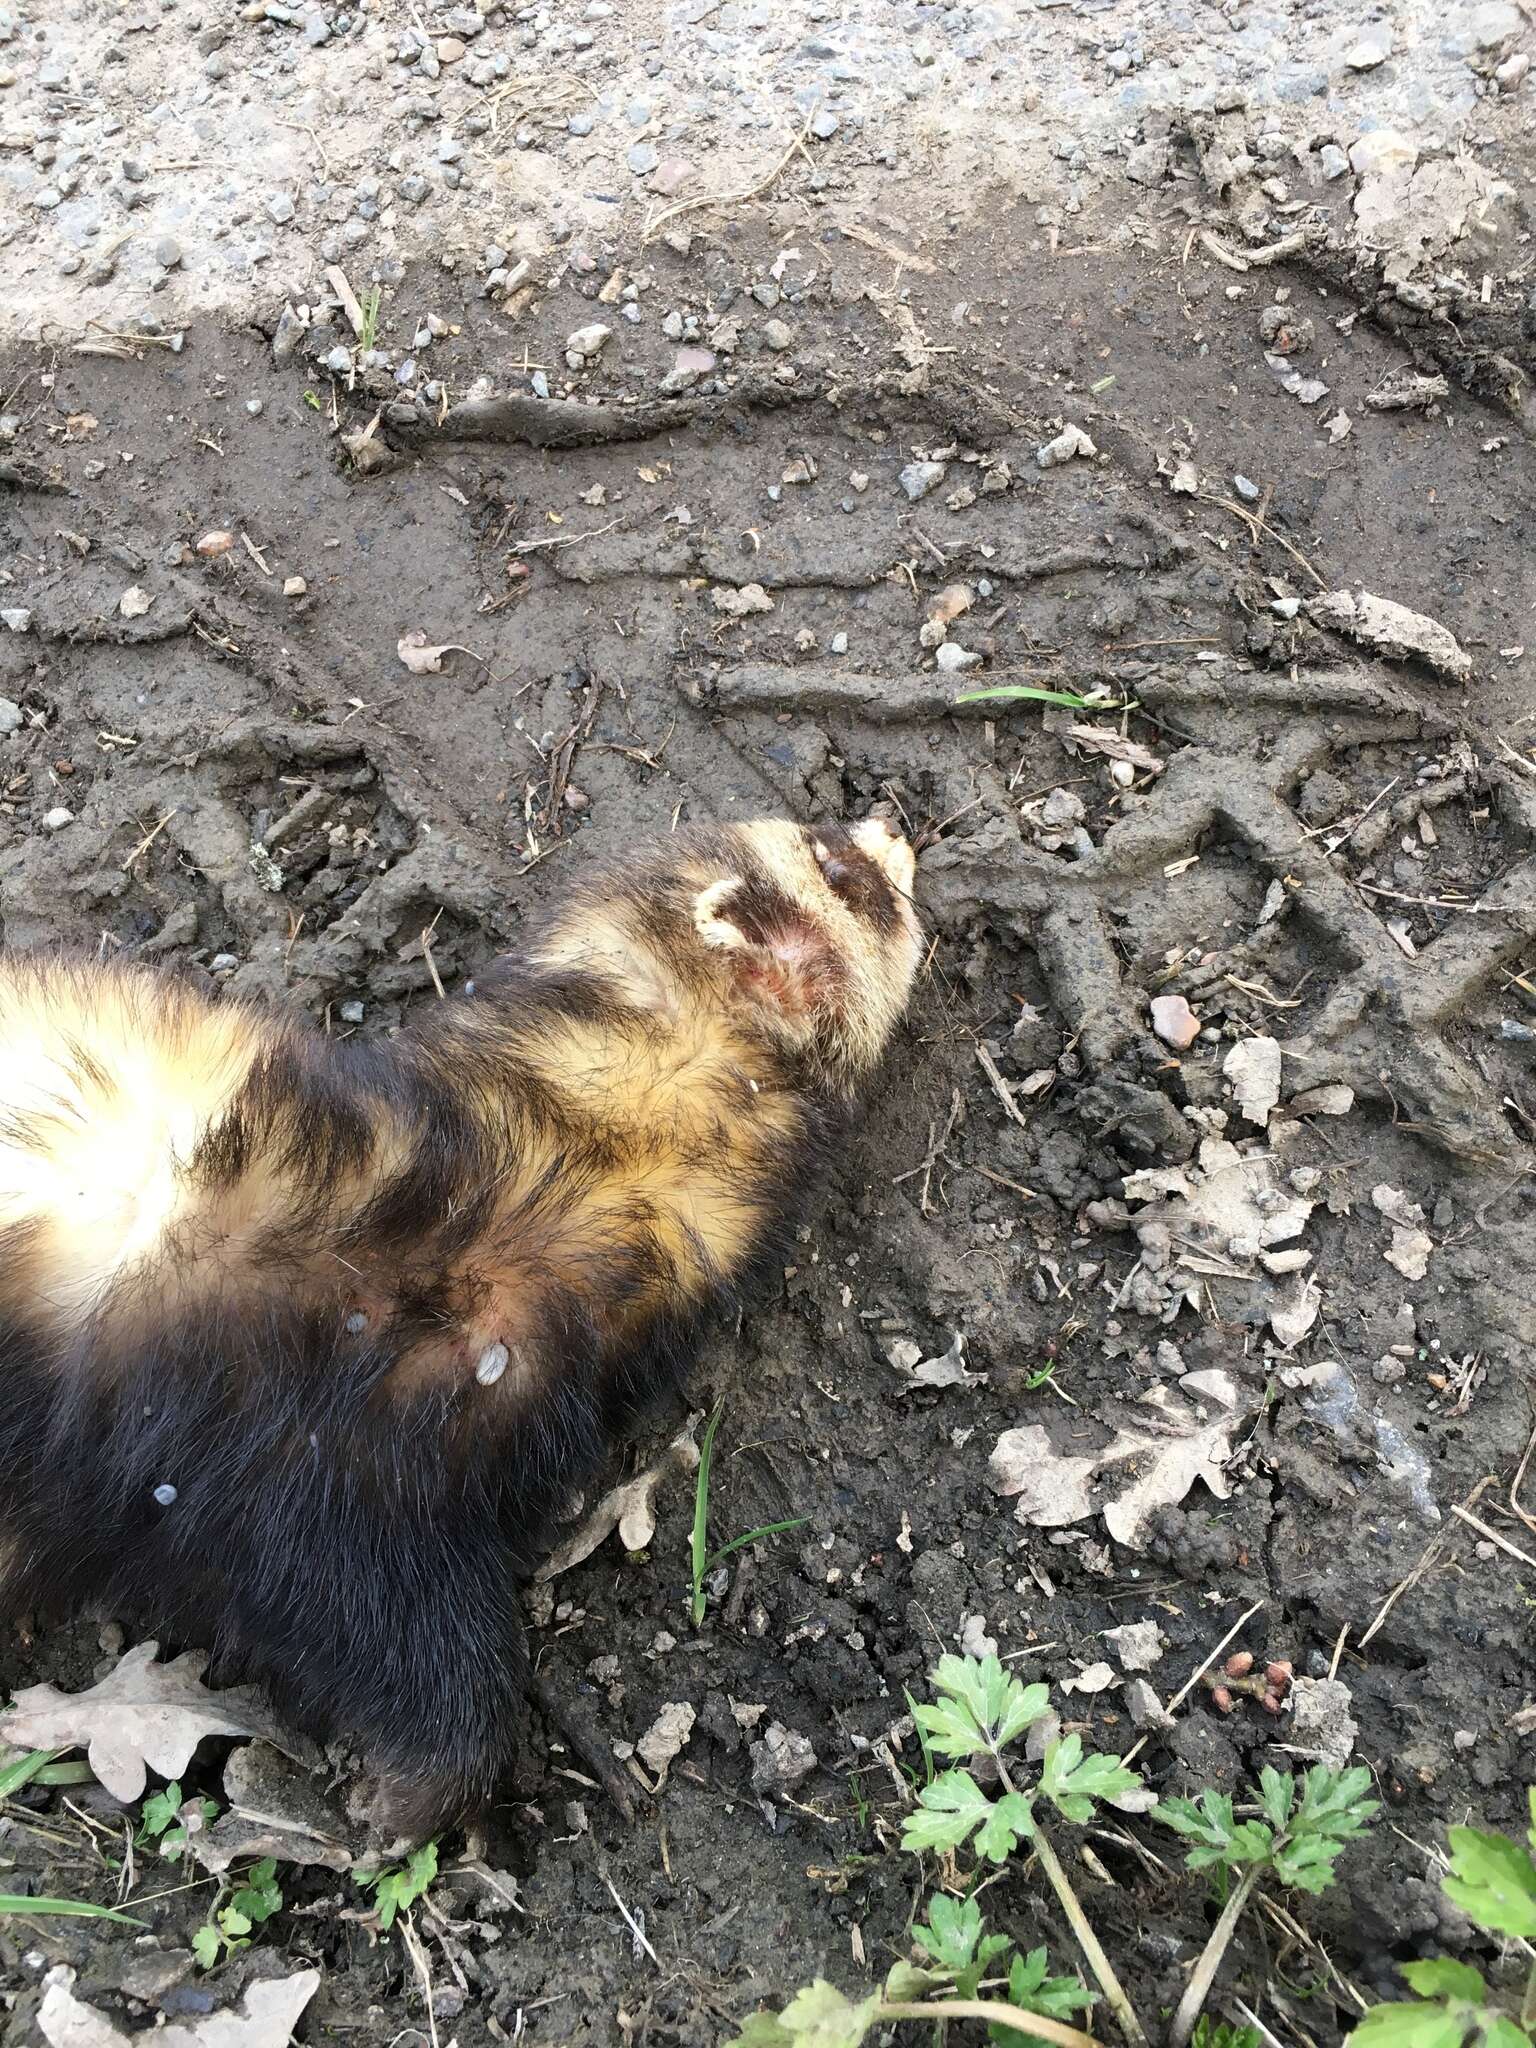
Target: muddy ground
605 695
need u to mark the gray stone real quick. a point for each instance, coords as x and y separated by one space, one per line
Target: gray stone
919 478
280 208
167 252
642 158
1371 47
10 717
413 190
778 336
582 124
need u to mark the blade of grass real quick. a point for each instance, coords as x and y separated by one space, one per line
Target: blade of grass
77 1773
738 1542
1008 692
24 1770
14 1904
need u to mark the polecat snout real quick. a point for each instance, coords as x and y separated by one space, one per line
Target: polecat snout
302 1342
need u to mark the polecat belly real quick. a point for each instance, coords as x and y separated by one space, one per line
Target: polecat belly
302 1342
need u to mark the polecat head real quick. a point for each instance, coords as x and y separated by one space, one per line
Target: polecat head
816 930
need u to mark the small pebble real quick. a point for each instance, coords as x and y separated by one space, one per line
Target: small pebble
918 478
778 336
167 252
279 208
55 820
1246 487
294 586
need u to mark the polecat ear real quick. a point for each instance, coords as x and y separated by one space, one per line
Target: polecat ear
778 954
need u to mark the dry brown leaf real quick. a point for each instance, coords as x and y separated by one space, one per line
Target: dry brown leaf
1114 746
423 660
629 1508
142 1716
1166 1440
268 2014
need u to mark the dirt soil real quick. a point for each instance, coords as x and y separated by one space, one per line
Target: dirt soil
1318 845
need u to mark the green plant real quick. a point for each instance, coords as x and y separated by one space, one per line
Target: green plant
18 1906
1035 1380
702 1562
163 1821
1211 2033
979 1710
1493 1880
312 400
255 1897
400 1885
1297 1843
368 333
37 1767
1033 693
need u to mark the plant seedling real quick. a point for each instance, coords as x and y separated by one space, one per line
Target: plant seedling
980 1709
1493 1880
255 1897
163 1821
16 1905
703 1563
400 1885
1297 1843
1007 693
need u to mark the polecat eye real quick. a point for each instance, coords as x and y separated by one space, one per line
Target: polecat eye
853 877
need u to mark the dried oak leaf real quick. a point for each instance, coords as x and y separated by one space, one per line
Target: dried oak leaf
142 1716
630 1508
424 660
1165 1440
268 2014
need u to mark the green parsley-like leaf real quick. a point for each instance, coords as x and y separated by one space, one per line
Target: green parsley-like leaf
400 1887
1032 1990
822 2017
206 1945
260 1895
1277 1795
1493 1880
905 1982
1408 2026
159 1810
1073 1782
1439 1977
1334 1803
981 1708
954 1807
234 1922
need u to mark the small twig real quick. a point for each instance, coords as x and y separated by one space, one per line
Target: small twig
563 540
1088 1941
255 554
654 227
1256 526
1431 1551
426 954
1492 1535
1518 1481
1195 1677
149 838
1198 1989
417 1954
1000 1087
987 2009
631 1923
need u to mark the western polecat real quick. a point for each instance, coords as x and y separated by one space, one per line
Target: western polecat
302 1342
